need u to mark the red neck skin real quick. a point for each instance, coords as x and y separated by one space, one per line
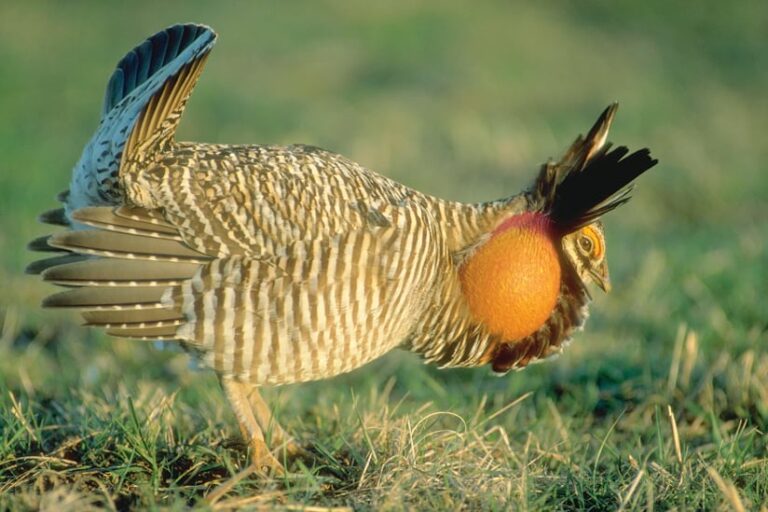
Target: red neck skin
528 220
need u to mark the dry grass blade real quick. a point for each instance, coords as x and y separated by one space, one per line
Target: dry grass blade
675 437
690 357
505 408
228 485
728 490
19 415
309 508
631 491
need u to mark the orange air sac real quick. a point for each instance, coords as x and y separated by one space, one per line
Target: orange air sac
512 281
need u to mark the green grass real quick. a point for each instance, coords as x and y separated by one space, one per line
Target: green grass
459 102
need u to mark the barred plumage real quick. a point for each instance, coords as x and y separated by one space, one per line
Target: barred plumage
280 264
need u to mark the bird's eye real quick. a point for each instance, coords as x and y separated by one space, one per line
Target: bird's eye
586 244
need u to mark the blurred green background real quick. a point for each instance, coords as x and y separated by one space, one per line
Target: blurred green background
457 99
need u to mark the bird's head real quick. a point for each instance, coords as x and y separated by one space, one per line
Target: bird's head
512 280
585 250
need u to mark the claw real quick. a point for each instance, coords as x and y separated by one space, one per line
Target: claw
266 464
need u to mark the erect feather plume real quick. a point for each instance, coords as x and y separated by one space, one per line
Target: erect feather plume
139 77
591 179
604 183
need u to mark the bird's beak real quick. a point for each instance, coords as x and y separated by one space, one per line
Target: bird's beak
601 277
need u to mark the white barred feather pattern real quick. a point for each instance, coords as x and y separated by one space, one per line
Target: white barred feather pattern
276 264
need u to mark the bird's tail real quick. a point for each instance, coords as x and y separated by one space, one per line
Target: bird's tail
137 78
591 179
153 67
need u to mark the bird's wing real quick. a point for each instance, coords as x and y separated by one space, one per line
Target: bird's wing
314 309
257 200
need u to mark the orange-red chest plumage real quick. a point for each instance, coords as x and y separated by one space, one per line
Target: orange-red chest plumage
512 281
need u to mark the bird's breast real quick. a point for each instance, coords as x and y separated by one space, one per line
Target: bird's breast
511 282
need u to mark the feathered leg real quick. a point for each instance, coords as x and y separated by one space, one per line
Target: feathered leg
279 438
238 395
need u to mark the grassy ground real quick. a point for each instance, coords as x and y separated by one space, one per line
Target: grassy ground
661 403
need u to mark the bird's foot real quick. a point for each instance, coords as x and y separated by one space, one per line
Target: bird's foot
263 466
265 463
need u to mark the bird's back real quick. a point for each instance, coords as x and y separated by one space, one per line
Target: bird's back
251 200
320 265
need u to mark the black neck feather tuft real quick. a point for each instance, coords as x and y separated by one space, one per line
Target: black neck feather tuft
590 179
604 183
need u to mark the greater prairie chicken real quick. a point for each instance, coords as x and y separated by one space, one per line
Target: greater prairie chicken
280 264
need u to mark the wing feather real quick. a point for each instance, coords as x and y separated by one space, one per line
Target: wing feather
313 308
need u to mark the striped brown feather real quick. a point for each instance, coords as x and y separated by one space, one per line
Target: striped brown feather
320 308
109 220
122 245
110 318
153 217
110 272
106 298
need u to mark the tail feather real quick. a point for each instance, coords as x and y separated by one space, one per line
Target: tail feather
56 217
41 244
121 245
156 125
133 298
150 57
137 78
153 66
144 325
145 333
123 318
